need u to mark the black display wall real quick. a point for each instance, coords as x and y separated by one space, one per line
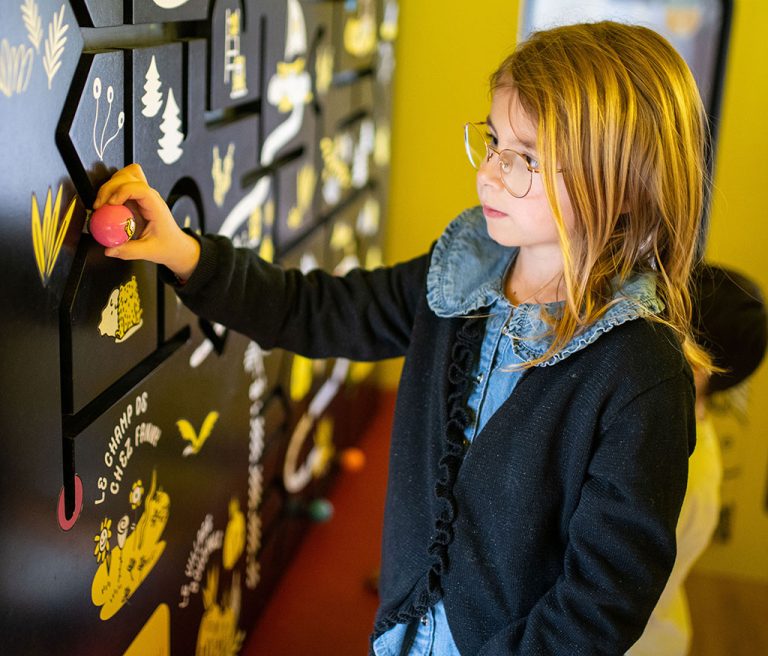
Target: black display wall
158 471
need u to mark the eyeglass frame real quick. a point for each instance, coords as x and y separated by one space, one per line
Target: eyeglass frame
489 150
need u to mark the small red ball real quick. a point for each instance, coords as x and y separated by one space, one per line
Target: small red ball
112 225
352 459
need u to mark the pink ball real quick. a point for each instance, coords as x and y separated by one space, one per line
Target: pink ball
112 225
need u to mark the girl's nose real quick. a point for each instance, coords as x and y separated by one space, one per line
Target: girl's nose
488 173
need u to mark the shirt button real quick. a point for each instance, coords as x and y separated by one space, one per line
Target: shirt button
479 378
424 620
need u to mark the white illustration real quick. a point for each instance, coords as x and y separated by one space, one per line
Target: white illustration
170 142
15 68
368 218
296 32
289 89
54 45
234 61
363 151
152 100
296 475
308 262
170 4
100 145
253 364
31 15
16 61
385 65
221 171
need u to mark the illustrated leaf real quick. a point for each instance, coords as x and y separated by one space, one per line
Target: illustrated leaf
15 67
47 225
187 430
32 22
63 227
37 239
208 424
54 45
48 233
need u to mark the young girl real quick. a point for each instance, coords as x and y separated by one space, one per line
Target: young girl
545 411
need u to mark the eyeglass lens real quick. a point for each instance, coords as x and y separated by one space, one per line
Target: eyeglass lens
515 175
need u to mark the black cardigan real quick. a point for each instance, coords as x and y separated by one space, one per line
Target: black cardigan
554 532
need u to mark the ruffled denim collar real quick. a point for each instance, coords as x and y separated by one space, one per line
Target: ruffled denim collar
466 274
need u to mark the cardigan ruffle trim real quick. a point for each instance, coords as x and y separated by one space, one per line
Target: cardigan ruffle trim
428 590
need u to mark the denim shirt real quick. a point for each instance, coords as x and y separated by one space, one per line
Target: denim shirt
466 278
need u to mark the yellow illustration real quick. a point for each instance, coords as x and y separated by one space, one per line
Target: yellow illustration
336 170
101 550
258 220
343 238
301 377
324 68
324 447
221 171
359 371
360 31
305 189
48 233
218 633
136 495
388 28
121 316
154 639
374 258
381 146
196 440
234 535
123 569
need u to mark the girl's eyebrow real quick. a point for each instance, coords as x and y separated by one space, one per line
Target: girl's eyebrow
526 144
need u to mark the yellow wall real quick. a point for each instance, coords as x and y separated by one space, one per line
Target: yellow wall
444 58
739 239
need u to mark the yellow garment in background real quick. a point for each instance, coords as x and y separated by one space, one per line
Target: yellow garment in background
668 632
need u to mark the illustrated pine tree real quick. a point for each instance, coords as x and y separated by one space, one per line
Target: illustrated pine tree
170 142
152 100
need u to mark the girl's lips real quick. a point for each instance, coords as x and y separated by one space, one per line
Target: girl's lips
491 213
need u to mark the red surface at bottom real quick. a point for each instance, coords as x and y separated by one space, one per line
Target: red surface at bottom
322 605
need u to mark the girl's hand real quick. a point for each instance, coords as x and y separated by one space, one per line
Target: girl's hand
162 240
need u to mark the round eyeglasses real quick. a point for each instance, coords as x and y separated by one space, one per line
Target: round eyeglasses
516 168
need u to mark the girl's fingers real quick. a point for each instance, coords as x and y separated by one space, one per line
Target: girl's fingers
139 249
131 173
150 205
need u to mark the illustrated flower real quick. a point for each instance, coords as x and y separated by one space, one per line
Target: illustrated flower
101 550
137 494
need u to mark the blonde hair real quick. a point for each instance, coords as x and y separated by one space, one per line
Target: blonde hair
617 109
